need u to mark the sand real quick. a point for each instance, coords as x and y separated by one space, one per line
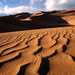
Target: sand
41 19
47 51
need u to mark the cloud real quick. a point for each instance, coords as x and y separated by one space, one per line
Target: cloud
0 3
33 1
62 1
4 0
0 11
59 4
21 1
9 10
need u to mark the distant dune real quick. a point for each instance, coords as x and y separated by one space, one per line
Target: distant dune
41 19
42 43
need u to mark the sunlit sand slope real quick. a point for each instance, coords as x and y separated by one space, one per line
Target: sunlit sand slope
38 52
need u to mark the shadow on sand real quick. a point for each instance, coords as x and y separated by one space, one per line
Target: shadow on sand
13 23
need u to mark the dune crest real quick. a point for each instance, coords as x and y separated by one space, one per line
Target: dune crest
40 19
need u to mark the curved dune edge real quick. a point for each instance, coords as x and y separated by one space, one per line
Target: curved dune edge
70 19
25 21
38 52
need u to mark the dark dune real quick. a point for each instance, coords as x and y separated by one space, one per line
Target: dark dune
38 20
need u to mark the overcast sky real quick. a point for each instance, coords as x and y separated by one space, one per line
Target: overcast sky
8 7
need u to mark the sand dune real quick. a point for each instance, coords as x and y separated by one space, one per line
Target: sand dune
41 19
48 51
38 52
70 19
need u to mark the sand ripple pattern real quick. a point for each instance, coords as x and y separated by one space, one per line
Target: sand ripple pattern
38 52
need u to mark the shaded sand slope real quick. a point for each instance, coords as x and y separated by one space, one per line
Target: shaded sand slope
38 52
41 19
5 27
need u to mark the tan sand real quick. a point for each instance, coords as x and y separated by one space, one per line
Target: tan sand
70 19
38 52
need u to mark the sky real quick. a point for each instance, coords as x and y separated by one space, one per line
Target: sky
9 7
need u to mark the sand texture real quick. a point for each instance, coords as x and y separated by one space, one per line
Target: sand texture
38 52
42 43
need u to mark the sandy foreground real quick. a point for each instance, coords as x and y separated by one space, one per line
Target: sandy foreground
48 51
26 49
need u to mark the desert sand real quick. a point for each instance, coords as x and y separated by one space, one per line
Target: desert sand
42 43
